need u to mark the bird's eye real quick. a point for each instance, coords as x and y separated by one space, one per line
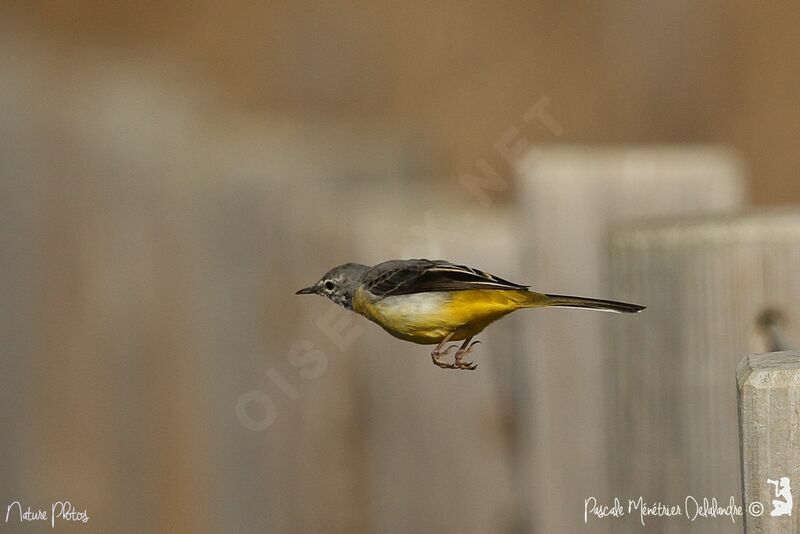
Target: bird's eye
329 285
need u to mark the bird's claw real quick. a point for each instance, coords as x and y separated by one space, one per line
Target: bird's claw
459 362
446 351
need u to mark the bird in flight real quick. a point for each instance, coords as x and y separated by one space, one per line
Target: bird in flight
434 302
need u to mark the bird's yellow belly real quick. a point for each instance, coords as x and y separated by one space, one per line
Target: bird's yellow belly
428 318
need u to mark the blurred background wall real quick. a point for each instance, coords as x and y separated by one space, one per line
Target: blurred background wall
170 172
454 76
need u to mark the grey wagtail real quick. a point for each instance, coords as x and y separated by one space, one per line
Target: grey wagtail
432 302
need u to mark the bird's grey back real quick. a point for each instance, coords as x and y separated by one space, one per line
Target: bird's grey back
397 277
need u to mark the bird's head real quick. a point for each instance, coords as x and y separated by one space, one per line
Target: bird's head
339 284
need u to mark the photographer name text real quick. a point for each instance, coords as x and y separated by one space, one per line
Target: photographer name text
692 509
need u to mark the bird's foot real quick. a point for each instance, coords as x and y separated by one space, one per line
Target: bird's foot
437 352
459 363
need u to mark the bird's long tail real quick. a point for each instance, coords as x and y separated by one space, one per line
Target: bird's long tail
564 301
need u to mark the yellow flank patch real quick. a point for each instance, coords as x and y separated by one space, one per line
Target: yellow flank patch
429 317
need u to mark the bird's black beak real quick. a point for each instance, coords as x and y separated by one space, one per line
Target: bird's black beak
306 291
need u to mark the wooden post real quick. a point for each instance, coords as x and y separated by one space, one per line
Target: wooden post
769 441
436 440
295 353
151 271
707 282
570 198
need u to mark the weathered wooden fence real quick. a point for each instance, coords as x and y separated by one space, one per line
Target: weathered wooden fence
769 430
570 199
435 440
707 281
150 296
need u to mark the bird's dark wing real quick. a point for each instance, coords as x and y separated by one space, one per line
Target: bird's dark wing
403 277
